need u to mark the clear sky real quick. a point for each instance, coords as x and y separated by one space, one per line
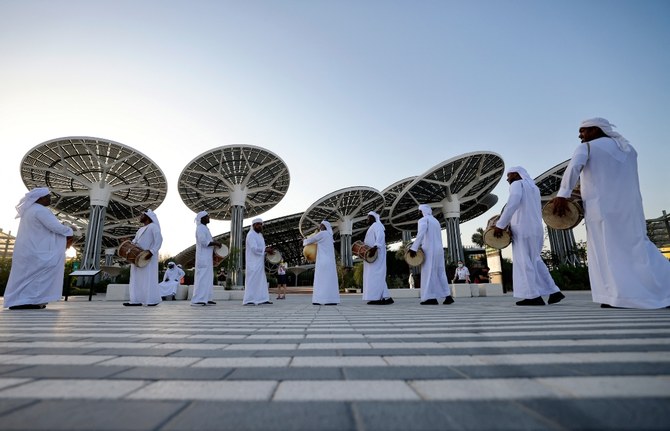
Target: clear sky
347 93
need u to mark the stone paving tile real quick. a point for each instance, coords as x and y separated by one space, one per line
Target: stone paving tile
65 372
434 416
212 353
172 373
400 373
9 405
483 389
135 352
608 386
338 361
69 388
348 390
281 374
263 416
56 359
296 353
84 415
527 370
6 369
605 414
243 362
206 390
139 361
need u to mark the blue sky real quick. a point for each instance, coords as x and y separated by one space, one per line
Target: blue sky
347 93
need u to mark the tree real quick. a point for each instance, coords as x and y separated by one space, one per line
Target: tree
478 237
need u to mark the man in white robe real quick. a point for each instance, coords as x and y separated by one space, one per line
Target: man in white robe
203 279
523 214
326 289
434 283
143 285
625 268
38 262
375 289
255 281
170 283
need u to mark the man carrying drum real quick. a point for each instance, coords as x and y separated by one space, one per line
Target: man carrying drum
523 213
375 290
434 283
625 268
255 281
143 285
203 283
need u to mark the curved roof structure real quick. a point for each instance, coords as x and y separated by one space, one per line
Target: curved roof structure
465 180
83 170
281 233
550 181
243 175
342 207
390 194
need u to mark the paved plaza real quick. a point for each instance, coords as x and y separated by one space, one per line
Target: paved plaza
481 363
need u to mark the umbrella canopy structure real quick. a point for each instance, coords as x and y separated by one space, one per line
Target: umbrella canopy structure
347 211
95 179
458 190
232 183
561 242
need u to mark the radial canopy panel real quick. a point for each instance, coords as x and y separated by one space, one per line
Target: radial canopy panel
346 209
82 171
243 175
455 186
550 181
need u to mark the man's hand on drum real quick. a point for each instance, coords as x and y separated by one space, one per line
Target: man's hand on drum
497 232
269 250
560 206
412 253
149 255
214 244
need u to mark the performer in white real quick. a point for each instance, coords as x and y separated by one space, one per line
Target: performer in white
523 214
434 283
38 262
375 290
326 290
170 283
143 285
203 283
255 281
625 268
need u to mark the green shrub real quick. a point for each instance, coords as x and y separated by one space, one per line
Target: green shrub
571 277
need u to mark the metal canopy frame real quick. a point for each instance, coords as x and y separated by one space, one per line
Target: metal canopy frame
234 182
347 210
95 179
460 188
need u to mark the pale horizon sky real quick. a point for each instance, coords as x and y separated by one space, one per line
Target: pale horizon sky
347 93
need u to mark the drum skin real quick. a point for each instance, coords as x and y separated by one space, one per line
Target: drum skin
220 254
274 257
309 251
568 221
489 237
416 260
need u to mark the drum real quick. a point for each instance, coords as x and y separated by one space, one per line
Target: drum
571 219
309 251
274 257
220 253
363 251
491 240
416 260
133 254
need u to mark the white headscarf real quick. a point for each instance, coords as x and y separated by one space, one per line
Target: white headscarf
426 210
376 216
257 220
153 217
525 177
30 198
606 127
329 228
199 216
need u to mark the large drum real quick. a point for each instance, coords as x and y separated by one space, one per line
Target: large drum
274 257
133 254
220 253
571 219
491 240
417 260
363 251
